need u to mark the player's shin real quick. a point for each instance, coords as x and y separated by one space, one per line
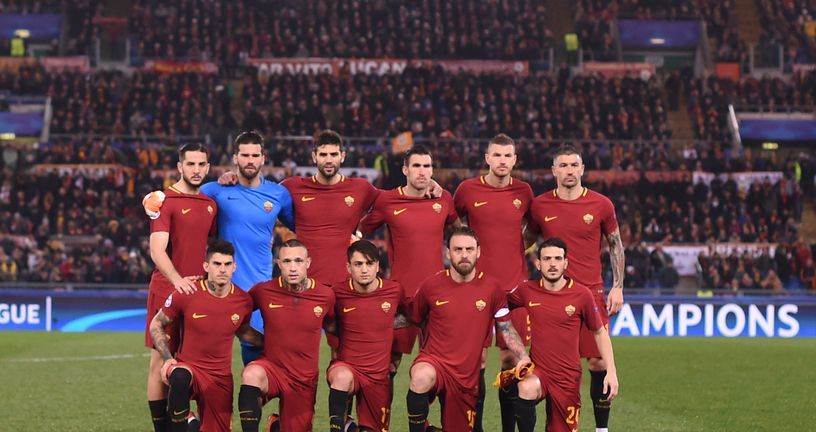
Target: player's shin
525 414
338 401
507 403
249 407
178 399
158 414
477 424
600 402
418 406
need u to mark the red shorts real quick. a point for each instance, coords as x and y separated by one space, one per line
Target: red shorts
458 403
404 339
563 402
157 293
521 322
297 399
373 398
213 394
586 344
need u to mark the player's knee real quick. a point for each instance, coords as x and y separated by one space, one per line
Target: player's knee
596 364
423 377
253 375
341 378
530 388
180 378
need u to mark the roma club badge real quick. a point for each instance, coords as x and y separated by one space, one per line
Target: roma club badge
570 310
480 305
210 210
517 203
349 200
318 311
268 206
235 318
385 306
588 218
437 207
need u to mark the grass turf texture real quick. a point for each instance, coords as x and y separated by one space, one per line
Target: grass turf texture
96 382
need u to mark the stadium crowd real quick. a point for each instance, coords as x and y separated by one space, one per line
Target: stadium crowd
783 23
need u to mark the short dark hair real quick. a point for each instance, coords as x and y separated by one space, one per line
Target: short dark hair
415 150
462 231
248 137
192 147
326 137
565 150
553 242
293 243
365 247
219 246
502 139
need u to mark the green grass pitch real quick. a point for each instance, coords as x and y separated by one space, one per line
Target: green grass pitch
96 381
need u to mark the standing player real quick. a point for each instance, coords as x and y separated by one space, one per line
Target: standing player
184 228
248 213
495 205
211 317
294 308
582 217
457 307
416 230
365 310
560 309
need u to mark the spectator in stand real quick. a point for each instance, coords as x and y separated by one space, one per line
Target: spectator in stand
667 277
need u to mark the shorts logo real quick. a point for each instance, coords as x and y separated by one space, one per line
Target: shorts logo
349 200
437 207
169 301
235 318
570 310
517 203
480 305
210 210
588 218
385 306
318 311
268 206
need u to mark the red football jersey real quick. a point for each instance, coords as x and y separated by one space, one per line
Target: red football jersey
293 324
366 325
191 221
581 224
496 214
458 318
556 318
208 326
326 217
416 233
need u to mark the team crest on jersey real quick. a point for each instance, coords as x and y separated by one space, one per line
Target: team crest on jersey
437 207
268 206
480 305
318 311
570 309
169 301
349 200
210 210
385 306
588 218
517 203
235 318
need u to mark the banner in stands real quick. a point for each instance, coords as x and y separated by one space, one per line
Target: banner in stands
378 67
12 64
685 257
39 26
74 63
642 70
180 66
118 310
744 180
24 124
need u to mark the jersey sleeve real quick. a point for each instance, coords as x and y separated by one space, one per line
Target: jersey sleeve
532 219
609 222
211 189
165 219
459 200
214 222
452 215
418 306
515 298
255 296
528 198
500 310
589 310
370 193
375 217
287 213
173 306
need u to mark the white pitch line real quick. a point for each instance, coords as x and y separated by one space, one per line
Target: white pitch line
68 359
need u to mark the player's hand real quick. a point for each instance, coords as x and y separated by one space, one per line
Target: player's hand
614 301
610 387
229 178
152 204
186 285
357 236
524 367
435 191
165 367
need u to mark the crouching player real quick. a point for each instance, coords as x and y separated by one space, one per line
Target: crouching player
210 318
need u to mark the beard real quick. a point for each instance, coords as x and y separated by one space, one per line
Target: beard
328 175
552 279
193 184
463 268
247 175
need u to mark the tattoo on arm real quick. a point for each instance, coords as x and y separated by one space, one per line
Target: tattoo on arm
512 338
616 258
159 336
401 321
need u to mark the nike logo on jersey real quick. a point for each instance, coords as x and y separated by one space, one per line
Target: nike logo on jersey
440 303
347 310
549 218
197 316
399 212
307 199
274 306
531 304
185 211
479 203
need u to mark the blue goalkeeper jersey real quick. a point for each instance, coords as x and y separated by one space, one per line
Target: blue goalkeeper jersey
246 217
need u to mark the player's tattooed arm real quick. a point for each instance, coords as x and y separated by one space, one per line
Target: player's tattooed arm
512 338
159 336
618 262
401 321
248 334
